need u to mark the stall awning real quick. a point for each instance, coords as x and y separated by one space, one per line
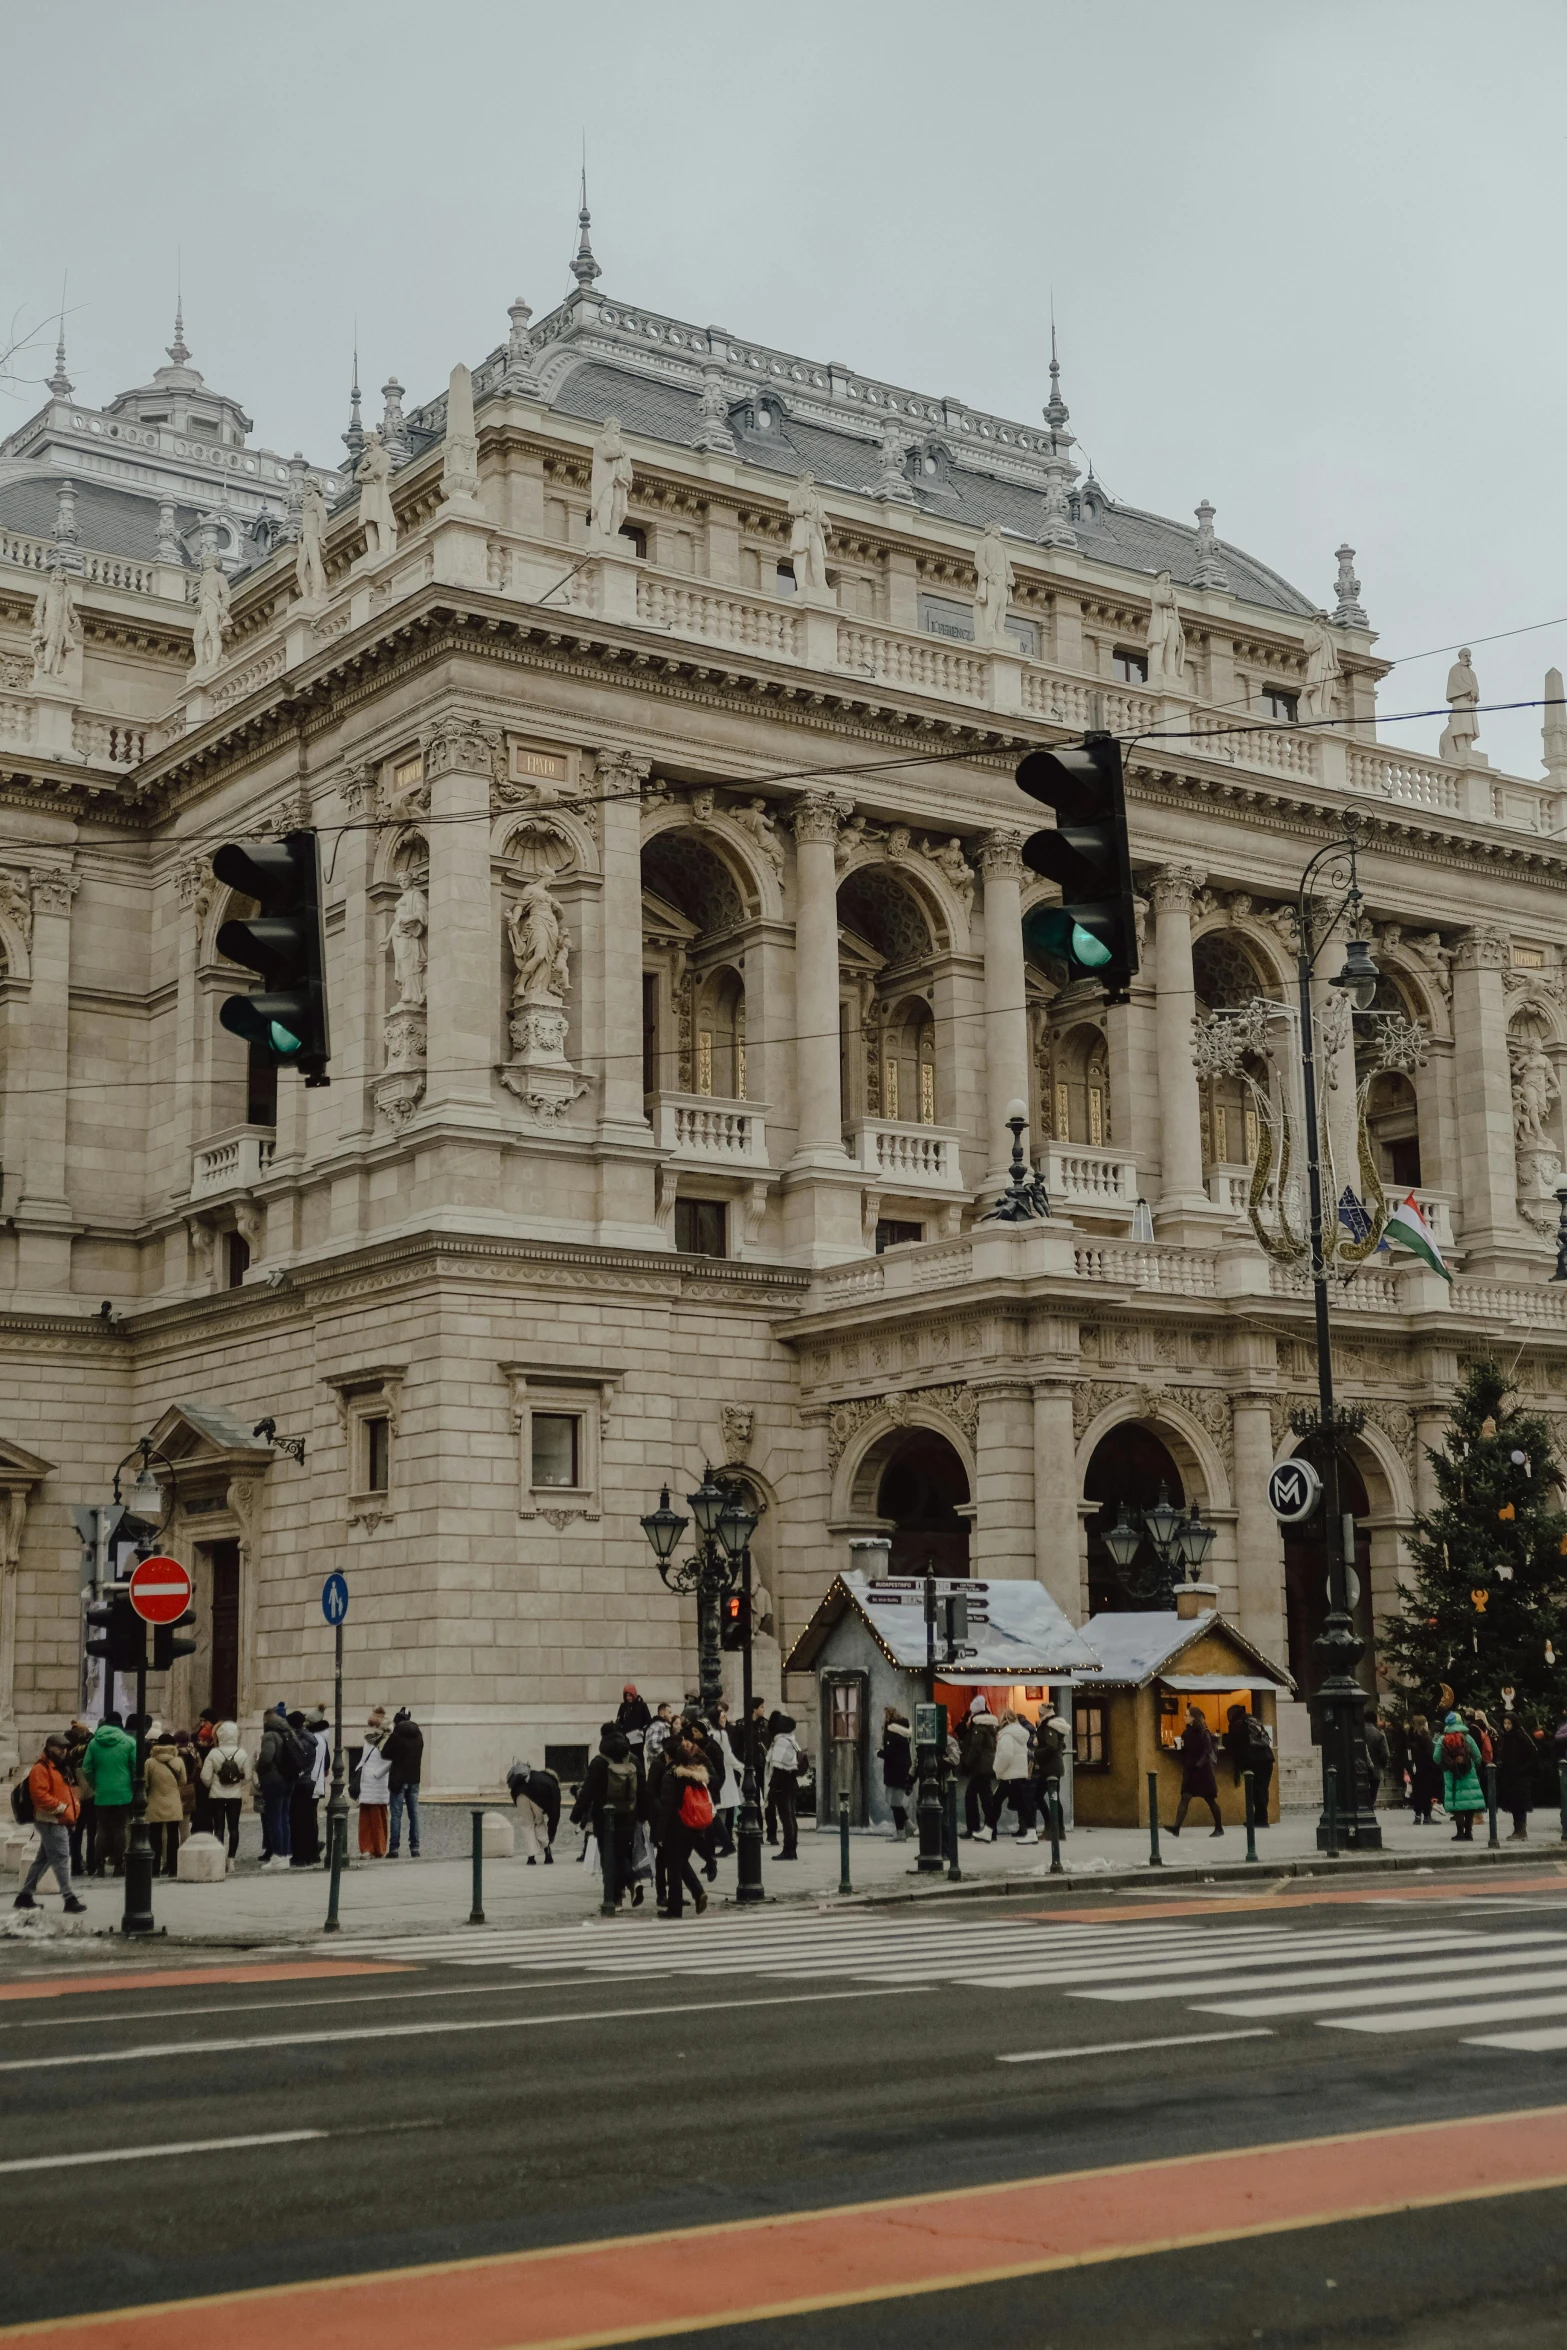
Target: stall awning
1214 1684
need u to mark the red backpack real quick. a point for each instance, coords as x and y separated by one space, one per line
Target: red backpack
1455 1752
696 1807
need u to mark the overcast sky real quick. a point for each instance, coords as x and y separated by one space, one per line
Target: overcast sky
1306 261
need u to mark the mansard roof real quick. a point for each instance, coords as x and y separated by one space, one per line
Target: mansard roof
110 520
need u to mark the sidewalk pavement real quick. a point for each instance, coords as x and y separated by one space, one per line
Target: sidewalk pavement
386 1897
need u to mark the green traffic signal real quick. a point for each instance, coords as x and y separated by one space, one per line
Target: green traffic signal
1093 930
1052 931
285 945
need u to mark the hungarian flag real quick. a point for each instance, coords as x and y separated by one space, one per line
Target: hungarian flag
1407 1228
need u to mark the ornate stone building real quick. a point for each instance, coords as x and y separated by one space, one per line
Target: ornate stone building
656 697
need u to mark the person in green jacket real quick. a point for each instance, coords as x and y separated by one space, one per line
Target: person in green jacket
1458 1758
108 1766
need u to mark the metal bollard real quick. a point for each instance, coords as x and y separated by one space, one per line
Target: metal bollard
949 1833
1330 1783
476 1914
1561 1780
1154 1862
844 1883
1492 1841
1053 1819
1251 1815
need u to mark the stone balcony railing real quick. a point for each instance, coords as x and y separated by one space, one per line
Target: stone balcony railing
1085 1181
707 1131
907 1158
233 1162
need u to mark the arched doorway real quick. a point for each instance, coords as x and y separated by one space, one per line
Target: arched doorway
1129 1465
921 1489
1306 1578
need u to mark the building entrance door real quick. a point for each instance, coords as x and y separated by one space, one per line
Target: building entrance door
843 1746
223 1646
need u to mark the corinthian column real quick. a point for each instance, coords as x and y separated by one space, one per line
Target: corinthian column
1482 1074
619 775
1006 1019
42 1216
1180 1125
817 817
462 991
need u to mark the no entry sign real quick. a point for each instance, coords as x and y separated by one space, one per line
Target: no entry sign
160 1591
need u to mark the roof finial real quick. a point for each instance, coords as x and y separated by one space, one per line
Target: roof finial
1056 409
584 268
354 438
176 350
60 383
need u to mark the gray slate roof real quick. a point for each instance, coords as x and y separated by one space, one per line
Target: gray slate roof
1135 1647
110 521
1026 1636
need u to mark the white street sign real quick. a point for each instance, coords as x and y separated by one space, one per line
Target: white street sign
1294 1490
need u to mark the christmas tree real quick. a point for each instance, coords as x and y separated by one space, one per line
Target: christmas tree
1486 1607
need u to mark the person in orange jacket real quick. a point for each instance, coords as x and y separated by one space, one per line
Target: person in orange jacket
55 1805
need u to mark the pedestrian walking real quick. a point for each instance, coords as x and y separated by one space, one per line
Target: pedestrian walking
278 1764
656 1735
1249 1748
1378 1757
896 1756
536 1794
375 1789
1011 1782
1457 1753
785 1760
726 1794
609 1803
304 1822
108 1769
84 1828
51 1799
632 1716
977 1762
1047 1765
1425 1772
165 1809
1197 1772
227 1778
685 1815
1516 1762
405 1766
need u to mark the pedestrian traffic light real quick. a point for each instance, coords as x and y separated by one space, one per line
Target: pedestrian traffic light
165 1647
285 944
735 1621
1093 931
116 1633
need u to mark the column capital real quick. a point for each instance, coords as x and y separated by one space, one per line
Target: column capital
1173 887
462 744
51 888
1488 947
1001 856
816 815
621 769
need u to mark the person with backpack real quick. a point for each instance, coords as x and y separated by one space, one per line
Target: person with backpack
785 1760
84 1828
1458 1755
536 1794
610 1802
278 1765
1249 1748
47 1799
685 1814
226 1778
165 1811
1049 1764
1011 1778
405 1763
896 1756
977 1761
108 1769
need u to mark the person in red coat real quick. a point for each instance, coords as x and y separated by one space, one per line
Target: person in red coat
1197 1772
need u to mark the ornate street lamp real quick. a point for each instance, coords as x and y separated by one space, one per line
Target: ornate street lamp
1180 1546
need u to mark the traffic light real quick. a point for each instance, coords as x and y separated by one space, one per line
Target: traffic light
1094 929
165 1648
735 1620
116 1633
285 944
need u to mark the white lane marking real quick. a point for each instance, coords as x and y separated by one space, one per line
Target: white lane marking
146 2015
161 2151
1123 2047
1417 1967
1499 2011
1495 1980
1541 2043
502 2023
1132 1979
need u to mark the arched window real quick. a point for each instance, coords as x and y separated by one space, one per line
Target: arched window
1227 980
718 1052
1079 1088
908 1063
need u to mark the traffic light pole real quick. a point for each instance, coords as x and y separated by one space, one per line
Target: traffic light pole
137 1917
337 1804
748 1834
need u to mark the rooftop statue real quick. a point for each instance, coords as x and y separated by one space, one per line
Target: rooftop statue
1166 637
993 567
212 616
610 490
373 474
1322 669
57 627
1462 730
808 540
309 568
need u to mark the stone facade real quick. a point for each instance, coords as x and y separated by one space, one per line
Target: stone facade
673 912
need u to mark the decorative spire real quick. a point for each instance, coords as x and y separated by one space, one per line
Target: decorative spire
177 350
519 354
1209 571
66 553
1554 729
394 429
1348 613
584 268
60 383
1056 409
354 438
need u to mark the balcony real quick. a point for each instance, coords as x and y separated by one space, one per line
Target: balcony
235 1162
1089 1182
704 1130
918 1159
1229 1187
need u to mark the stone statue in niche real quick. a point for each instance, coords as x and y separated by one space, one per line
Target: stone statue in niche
1322 669
374 474
993 569
539 950
1166 637
57 627
609 492
309 565
808 540
1462 730
1534 1090
212 616
410 954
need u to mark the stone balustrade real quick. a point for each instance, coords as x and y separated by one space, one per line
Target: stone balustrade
1097 1182
907 1158
711 1132
233 1162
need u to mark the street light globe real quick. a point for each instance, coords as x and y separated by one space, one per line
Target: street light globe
1124 1539
736 1523
1360 975
145 1498
1162 1522
1017 1113
706 1504
663 1527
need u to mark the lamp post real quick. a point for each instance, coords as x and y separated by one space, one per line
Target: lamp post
1180 1547
725 1523
1560 1273
145 1497
1340 1700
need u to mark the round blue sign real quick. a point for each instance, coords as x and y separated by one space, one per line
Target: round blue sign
334 1598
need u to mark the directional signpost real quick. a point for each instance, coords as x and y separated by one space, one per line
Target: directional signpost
334 1606
1294 1490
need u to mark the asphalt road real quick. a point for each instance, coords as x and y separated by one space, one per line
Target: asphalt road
732 2069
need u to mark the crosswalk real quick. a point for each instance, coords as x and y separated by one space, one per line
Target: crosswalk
1379 1979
